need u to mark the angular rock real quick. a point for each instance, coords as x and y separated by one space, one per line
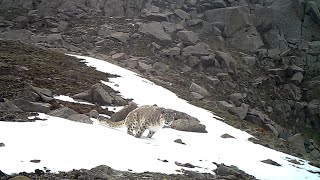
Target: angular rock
120 36
193 22
82 118
297 78
159 66
271 162
197 96
198 89
175 51
83 96
9 106
169 27
156 17
315 154
28 106
155 30
246 39
298 142
119 56
182 14
122 114
227 61
94 114
99 95
63 112
226 106
199 49
188 37
17 35
242 111
193 61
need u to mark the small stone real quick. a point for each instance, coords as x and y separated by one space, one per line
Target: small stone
226 136
179 141
269 161
35 161
94 114
2 144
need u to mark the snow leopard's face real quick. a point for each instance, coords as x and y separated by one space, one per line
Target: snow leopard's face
168 116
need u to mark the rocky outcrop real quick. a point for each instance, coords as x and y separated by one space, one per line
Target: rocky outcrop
155 30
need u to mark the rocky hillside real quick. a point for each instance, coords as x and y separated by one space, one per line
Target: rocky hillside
254 62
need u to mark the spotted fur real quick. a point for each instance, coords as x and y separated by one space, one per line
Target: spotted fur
142 118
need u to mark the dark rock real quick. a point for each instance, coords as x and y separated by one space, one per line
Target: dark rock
224 170
83 96
9 106
35 161
200 49
63 112
32 106
82 118
63 26
155 30
315 154
198 89
193 61
188 37
159 66
297 78
17 35
226 136
156 17
271 162
122 114
227 61
45 94
188 165
271 128
2 174
179 141
2 145
298 142
293 91
255 120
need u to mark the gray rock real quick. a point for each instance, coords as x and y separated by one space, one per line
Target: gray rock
278 71
193 22
227 61
271 128
182 14
249 60
159 66
122 114
120 36
198 89
63 112
175 51
145 67
119 56
155 30
196 96
9 106
17 35
246 39
315 154
200 49
32 106
82 118
242 111
293 91
2 145
104 31
298 142
44 94
99 95
297 78
224 77
218 4
63 26
193 61
235 18
169 27
224 170
226 106
83 96
188 37
189 125
156 17
94 114
255 120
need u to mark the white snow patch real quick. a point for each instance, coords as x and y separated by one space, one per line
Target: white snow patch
63 145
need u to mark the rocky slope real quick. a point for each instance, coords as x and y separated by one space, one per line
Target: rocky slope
256 63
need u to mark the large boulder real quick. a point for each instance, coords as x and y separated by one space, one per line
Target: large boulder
122 114
200 49
155 30
238 28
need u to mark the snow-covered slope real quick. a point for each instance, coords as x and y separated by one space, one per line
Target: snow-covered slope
63 145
